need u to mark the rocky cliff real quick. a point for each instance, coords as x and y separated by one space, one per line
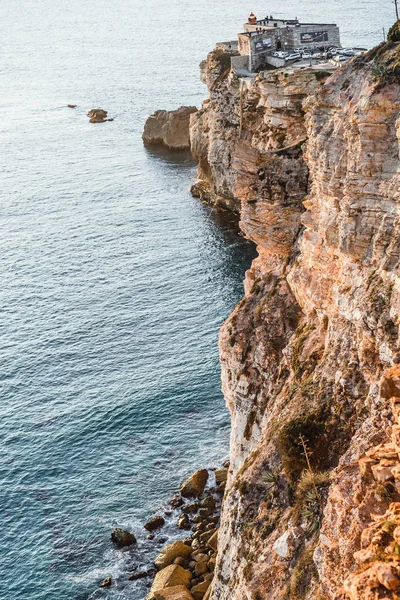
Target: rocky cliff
311 162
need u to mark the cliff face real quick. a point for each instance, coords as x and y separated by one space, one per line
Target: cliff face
312 164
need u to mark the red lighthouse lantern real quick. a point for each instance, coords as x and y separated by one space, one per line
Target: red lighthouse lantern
252 18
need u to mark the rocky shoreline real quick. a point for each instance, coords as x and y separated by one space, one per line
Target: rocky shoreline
184 568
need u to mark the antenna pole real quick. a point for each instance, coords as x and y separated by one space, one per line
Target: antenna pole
397 9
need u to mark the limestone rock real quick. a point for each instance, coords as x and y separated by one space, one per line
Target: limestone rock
199 590
199 556
200 568
213 541
171 576
195 484
122 537
177 592
183 522
390 383
386 576
221 475
288 542
170 552
169 128
383 470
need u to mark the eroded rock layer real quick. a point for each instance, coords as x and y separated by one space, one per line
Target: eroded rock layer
311 162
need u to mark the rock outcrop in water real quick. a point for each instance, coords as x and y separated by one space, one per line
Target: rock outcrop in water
169 128
122 538
311 163
98 115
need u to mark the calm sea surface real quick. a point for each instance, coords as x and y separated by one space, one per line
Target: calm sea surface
114 280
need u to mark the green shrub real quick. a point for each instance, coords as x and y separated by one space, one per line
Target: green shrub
394 33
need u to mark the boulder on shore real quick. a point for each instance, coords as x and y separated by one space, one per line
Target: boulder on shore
171 576
221 476
170 552
200 589
177 592
184 522
195 484
212 542
176 502
169 128
122 538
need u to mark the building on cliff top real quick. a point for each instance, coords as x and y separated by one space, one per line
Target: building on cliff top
263 37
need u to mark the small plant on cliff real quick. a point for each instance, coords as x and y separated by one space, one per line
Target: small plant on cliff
309 492
271 479
312 428
380 72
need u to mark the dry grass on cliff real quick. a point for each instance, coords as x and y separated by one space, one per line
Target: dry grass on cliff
308 480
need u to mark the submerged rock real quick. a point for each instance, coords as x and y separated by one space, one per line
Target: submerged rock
138 575
169 128
195 484
122 538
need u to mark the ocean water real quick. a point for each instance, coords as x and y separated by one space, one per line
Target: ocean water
114 280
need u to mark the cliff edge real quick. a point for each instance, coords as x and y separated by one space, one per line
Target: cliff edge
310 161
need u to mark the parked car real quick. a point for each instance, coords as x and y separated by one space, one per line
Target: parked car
280 54
347 52
306 55
294 56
